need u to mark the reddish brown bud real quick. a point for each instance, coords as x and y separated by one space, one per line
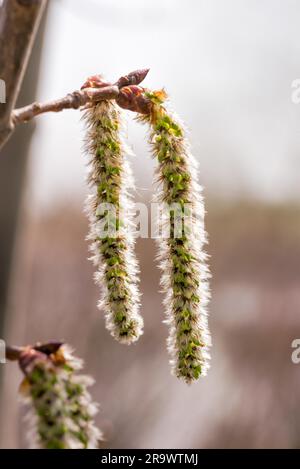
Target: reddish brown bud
95 81
49 348
134 99
133 78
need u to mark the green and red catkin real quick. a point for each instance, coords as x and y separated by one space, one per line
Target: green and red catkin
185 274
109 206
61 411
183 260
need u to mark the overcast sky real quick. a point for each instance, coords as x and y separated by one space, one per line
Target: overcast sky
228 68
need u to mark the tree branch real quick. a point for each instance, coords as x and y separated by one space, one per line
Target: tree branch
13 353
95 89
71 101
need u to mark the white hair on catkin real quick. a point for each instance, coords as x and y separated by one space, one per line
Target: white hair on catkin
182 259
110 181
60 410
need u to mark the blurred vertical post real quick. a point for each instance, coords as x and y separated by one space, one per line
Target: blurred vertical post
19 21
20 37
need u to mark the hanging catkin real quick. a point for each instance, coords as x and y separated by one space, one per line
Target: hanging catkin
60 408
109 206
182 259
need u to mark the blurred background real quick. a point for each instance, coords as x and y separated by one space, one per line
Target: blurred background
228 68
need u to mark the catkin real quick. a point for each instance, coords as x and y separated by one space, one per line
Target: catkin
61 410
182 259
112 253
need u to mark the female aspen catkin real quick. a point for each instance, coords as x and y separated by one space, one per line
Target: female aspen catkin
109 206
61 410
182 259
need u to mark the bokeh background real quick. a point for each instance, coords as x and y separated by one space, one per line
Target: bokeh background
228 68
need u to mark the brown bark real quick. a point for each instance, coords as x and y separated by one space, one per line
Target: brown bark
71 101
19 21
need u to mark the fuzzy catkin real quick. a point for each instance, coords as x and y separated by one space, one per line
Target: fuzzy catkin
113 254
61 410
182 259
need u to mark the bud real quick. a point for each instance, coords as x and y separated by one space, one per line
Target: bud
95 81
133 78
134 99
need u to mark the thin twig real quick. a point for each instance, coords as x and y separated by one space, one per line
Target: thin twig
94 90
14 352
71 101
